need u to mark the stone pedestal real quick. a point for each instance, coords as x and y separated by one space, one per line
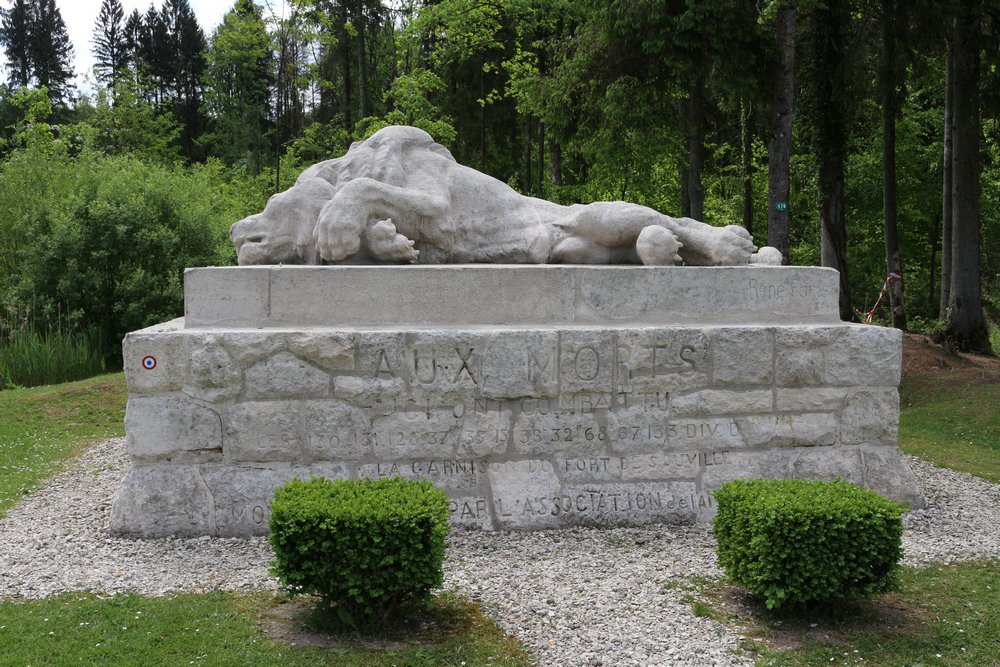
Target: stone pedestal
536 396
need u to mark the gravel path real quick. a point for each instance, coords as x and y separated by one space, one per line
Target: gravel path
574 597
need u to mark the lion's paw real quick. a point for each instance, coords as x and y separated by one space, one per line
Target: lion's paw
657 246
386 244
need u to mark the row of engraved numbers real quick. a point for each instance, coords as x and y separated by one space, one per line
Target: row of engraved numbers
523 436
581 433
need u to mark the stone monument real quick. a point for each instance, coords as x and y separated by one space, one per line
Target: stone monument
537 396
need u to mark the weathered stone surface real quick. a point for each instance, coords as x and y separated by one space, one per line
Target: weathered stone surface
562 432
806 336
335 431
286 376
241 496
470 512
250 347
304 297
743 356
485 433
799 367
809 399
631 504
368 392
163 499
169 355
887 473
865 355
722 401
818 428
171 426
705 434
444 366
870 415
523 491
334 352
640 428
263 431
449 474
823 462
521 364
612 409
215 297
213 375
661 359
416 431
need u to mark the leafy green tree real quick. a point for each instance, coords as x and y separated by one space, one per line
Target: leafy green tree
124 122
411 105
239 81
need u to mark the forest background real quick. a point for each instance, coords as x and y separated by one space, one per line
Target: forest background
857 134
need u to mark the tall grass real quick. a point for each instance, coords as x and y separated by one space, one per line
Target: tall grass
30 358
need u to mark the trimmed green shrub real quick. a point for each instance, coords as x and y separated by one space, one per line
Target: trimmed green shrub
798 541
370 549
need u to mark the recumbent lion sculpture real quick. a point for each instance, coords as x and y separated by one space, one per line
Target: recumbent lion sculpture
401 197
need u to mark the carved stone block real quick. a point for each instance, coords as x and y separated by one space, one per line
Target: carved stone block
583 410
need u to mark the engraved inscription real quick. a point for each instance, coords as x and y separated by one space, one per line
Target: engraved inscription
255 514
468 509
602 502
757 290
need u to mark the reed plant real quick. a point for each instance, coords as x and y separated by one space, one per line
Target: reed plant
30 357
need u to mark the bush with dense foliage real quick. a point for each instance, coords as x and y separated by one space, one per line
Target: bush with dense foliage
99 243
370 549
799 541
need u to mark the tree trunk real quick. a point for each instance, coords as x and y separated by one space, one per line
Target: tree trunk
526 148
362 71
935 239
540 169
683 174
831 138
966 326
696 147
555 163
345 65
893 261
746 166
482 112
946 218
779 146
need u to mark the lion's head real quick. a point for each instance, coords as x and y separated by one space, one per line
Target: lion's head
283 233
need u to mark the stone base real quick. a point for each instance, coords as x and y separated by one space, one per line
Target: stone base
528 426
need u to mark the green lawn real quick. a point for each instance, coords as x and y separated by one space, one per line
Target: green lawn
41 426
953 420
942 615
222 629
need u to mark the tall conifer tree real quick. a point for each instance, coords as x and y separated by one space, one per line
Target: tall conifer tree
15 34
51 50
110 45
